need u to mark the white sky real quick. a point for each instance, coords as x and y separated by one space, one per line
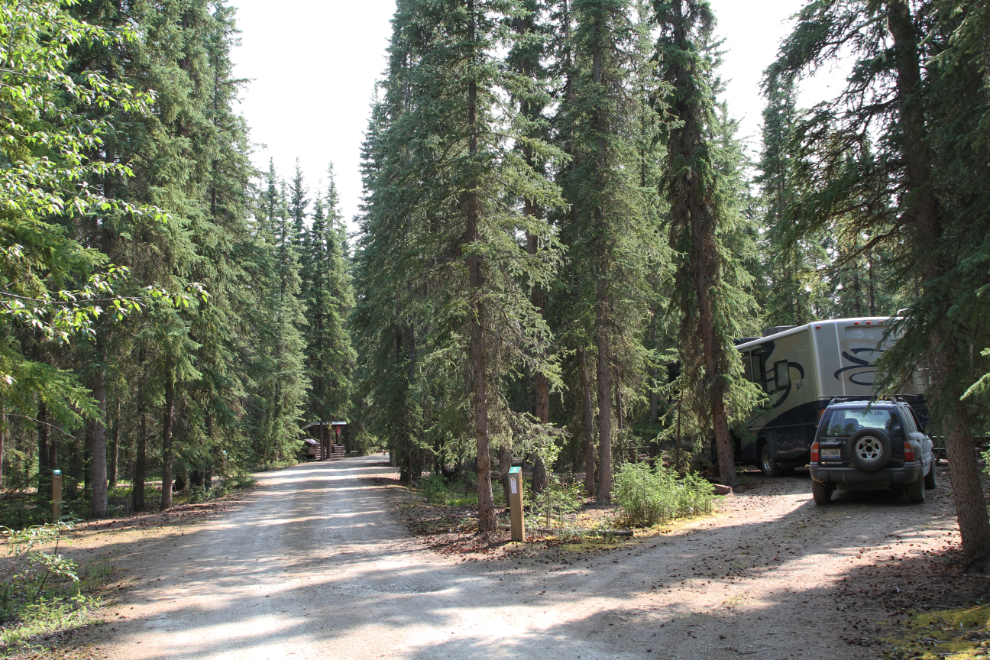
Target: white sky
313 66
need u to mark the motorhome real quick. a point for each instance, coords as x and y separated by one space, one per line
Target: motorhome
802 368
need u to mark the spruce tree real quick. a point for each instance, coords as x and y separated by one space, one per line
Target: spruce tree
703 212
279 394
330 358
453 178
607 233
916 86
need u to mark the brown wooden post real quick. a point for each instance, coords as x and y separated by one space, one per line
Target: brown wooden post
56 495
518 527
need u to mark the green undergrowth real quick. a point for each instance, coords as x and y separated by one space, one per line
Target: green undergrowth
42 592
277 465
647 496
959 634
439 492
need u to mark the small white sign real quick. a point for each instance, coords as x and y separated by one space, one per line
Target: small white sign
512 486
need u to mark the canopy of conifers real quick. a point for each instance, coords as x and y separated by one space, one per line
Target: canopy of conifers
560 238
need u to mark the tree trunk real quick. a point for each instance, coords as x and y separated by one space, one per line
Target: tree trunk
141 460
98 447
541 382
114 455
713 372
654 371
693 213
167 418
87 452
44 454
603 306
971 510
208 472
604 494
3 436
486 505
504 464
589 425
52 449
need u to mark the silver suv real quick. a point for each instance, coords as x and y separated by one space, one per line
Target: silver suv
865 443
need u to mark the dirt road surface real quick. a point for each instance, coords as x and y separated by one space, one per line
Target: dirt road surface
314 565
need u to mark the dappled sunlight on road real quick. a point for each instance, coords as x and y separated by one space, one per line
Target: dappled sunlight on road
314 565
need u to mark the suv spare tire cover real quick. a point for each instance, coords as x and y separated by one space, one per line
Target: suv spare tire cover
869 449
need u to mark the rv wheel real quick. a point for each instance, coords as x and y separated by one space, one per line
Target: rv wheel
768 465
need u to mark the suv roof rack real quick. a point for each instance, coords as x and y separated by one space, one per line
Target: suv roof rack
898 398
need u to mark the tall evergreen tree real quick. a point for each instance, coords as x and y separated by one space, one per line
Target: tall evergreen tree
330 358
606 232
918 85
703 211
279 395
450 155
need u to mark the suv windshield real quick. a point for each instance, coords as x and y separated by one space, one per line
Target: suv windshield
845 422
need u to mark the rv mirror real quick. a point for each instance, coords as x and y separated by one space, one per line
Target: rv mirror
781 374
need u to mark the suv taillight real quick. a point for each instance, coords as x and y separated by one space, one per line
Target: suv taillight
908 451
814 453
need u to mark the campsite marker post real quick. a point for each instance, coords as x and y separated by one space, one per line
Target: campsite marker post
516 505
56 495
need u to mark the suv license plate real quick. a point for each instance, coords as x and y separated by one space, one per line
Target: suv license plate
831 453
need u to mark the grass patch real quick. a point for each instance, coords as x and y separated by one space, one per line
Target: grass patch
439 492
44 619
959 634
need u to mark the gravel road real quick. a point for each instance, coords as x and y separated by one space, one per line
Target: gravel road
314 565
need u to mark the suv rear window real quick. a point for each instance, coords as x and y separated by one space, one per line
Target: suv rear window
844 422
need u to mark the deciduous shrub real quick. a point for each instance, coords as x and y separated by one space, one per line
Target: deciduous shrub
434 489
557 500
647 496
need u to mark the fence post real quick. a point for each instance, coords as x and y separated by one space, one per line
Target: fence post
517 525
56 495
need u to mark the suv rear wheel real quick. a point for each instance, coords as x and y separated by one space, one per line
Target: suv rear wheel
869 449
915 492
931 481
768 465
821 492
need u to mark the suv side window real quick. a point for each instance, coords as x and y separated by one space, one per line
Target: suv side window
907 419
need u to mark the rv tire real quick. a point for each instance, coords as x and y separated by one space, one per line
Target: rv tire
768 464
931 480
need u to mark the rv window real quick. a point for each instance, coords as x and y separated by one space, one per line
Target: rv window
747 366
760 370
780 372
